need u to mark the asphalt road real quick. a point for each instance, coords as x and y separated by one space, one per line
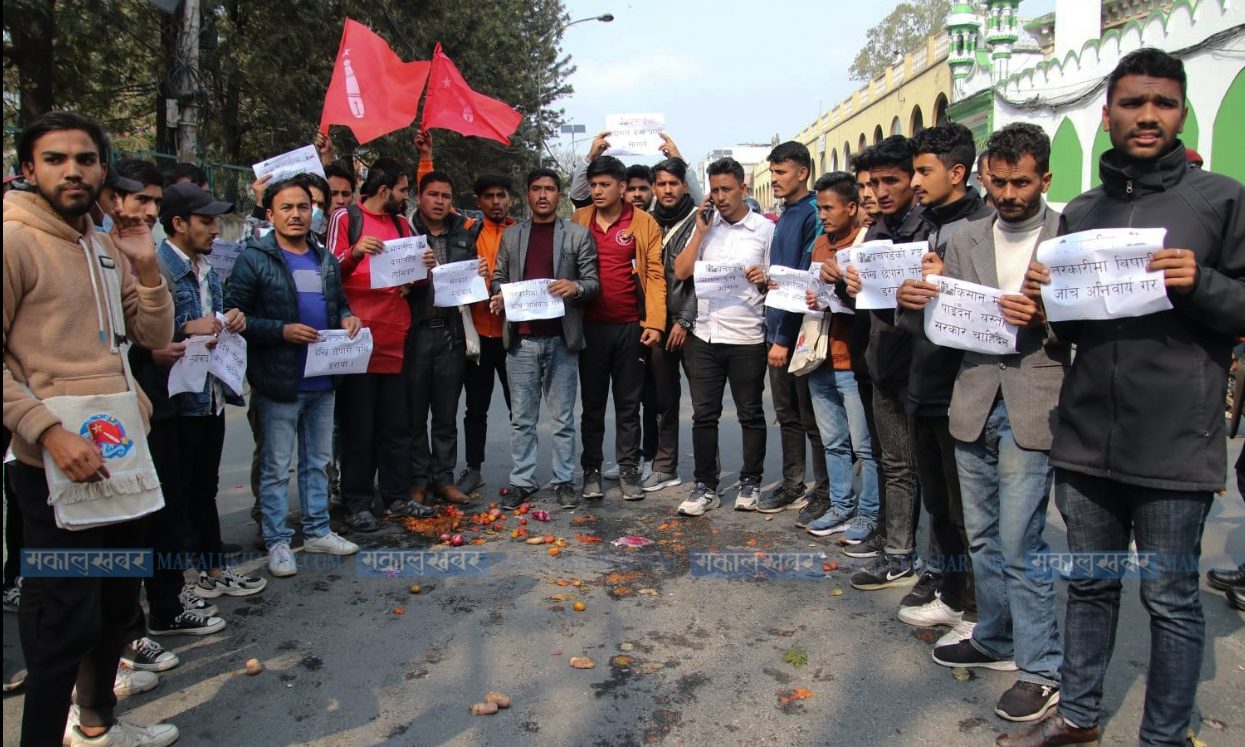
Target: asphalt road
705 657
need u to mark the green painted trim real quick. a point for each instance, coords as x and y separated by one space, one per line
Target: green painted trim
1227 156
1066 158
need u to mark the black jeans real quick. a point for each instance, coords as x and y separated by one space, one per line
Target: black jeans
167 529
374 420
663 374
710 366
72 629
12 533
897 458
793 408
478 383
436 359
199 444
612 354
940 494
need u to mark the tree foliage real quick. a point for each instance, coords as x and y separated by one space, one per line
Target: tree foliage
903 30
264 68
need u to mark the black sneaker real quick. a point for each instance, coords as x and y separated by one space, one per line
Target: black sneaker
592 484
818 505
781 500
885 572
965 654
186 623
515 496
629 478
409 508
566 495
1027 701
925 591
362 521
149 656
871 547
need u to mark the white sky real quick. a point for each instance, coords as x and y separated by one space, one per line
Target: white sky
723 72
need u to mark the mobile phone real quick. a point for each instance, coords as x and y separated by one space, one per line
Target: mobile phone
707 214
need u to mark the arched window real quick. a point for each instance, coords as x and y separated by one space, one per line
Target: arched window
896 126
940 109
877 134
917 122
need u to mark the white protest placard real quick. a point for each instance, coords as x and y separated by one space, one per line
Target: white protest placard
1101 274
967 316
457 283
720 280
302 160
228 359
883 267
335 353
635 134
224 256
401 262
827 299
189 372
528 300
789 295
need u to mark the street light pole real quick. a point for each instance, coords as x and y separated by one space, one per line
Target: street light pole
540 83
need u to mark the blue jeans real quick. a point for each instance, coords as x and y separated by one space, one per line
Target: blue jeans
307 423
1101 514
1006 490
844 429
536 366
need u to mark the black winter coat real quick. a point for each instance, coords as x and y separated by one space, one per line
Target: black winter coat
1143 402
262 287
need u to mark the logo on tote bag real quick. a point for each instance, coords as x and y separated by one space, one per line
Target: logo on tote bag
108 434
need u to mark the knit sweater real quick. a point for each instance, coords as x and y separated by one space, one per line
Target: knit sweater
52 342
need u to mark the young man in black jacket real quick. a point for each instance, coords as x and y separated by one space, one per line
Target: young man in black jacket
1139 431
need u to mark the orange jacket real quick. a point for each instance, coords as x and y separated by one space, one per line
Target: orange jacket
840 324
648 266
487 323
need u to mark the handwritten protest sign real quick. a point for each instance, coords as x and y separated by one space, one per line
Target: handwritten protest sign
827 298
720 280
189 373
401 262
883 267
224 256
335 353
303 160
966 316
634 134
527 300
789 295
458 283
228 359
1101 274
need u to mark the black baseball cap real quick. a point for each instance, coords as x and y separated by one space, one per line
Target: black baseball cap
189 199
121 183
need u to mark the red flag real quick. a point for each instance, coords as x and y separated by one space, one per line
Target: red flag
452 105
373 92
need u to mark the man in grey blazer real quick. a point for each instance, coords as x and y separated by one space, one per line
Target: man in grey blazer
542 356
1000 418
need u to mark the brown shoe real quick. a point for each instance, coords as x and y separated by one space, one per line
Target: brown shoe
419 495
1051 731
451 494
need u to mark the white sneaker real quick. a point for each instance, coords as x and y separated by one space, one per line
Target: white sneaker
129 682
961 631
701 500
281 560
124 734
228 582
331 543
930 614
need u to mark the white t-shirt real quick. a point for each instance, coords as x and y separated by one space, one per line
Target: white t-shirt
735 321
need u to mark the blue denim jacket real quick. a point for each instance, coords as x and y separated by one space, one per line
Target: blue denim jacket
184 286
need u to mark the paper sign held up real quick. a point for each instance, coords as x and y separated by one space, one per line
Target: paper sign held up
634 134
967 316
720 280
458 283
224 256
527 300
302 160
883 267
1101 274
401 262
336 353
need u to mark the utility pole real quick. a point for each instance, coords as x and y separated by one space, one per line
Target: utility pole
187 81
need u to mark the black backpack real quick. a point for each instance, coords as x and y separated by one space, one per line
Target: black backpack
354 224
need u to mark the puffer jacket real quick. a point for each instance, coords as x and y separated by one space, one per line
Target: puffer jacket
1143 401
262 287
